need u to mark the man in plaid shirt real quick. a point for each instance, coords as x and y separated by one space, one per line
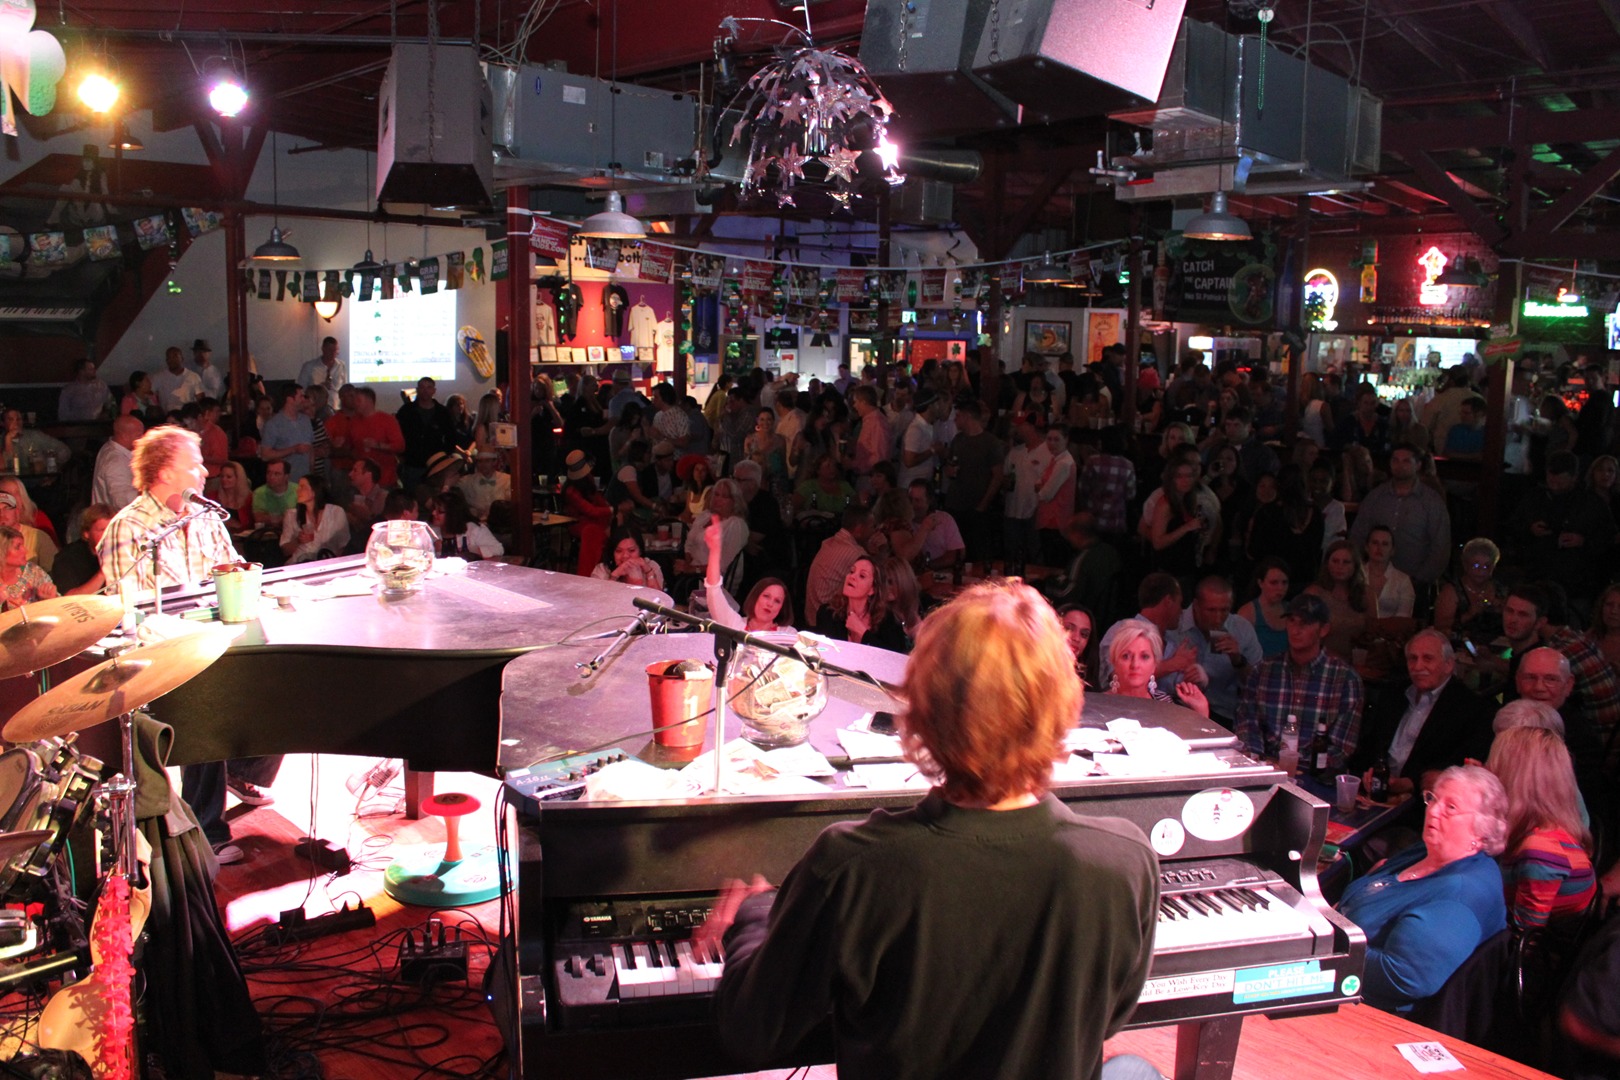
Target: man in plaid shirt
1322 691
165 462
1108 483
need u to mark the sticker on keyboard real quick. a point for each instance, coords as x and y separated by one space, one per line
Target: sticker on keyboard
1282 981
1184 986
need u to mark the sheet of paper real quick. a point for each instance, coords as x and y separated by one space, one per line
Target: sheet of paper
1429 1057
1122 724
1178 765
868 746
1093 740
1155 742
747 772
1071 769
894 776
801 760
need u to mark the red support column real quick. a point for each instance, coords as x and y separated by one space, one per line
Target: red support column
513 311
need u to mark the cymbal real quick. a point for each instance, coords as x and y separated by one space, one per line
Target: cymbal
117 686
47 632
13 844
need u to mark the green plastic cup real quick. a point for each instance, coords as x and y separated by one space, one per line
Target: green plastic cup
237 586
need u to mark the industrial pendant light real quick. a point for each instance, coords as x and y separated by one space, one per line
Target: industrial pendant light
1217 223
276 249
1047 272
613 223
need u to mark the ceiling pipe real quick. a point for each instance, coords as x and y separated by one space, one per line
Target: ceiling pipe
241 206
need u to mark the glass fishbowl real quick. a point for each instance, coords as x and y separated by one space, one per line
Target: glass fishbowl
400 554
776 696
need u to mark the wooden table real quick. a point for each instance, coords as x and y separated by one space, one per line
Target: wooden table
1355 1043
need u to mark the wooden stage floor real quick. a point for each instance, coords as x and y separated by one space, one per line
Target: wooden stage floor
335 1007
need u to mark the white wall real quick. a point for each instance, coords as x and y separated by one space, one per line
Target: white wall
281 336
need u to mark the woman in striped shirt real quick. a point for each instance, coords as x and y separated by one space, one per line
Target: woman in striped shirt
1546 868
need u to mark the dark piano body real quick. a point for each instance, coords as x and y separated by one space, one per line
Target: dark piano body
1244 928
418 679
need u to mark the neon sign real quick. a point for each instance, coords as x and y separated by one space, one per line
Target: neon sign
1430 294
1555 311
1321 283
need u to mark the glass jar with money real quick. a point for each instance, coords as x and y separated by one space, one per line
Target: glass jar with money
776 696
400 553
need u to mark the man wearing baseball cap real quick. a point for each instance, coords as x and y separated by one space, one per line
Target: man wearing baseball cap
1322 691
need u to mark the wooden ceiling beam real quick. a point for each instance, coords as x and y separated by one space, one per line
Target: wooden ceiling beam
1528 126
1506 15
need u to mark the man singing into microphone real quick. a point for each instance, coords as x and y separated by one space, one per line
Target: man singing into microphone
166 463
987 931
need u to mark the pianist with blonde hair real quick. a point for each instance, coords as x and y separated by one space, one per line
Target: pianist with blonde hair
986 931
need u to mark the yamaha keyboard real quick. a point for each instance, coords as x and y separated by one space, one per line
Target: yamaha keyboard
41 312
609 895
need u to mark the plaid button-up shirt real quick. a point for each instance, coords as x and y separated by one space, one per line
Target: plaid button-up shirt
187 555
1326 692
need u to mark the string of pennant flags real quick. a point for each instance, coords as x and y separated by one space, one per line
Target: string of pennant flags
651 260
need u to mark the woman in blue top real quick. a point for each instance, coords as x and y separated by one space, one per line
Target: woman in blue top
1428 908
1267 611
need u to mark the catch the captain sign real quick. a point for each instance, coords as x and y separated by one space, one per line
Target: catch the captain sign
31 63
1430 294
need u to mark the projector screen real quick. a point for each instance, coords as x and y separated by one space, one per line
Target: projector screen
404 339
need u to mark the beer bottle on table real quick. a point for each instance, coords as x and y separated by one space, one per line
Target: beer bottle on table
1378 789
1322 756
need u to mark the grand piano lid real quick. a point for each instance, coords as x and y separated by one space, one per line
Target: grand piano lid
1194 730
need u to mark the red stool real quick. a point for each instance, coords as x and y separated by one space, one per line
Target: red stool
432 877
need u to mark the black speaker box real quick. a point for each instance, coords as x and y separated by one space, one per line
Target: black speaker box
1062 59
919 52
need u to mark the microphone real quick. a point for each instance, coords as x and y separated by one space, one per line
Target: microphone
197 499
646 623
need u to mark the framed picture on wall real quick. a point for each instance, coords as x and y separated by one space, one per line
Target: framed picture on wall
1047 338
596 354
645 354
548 354
578 355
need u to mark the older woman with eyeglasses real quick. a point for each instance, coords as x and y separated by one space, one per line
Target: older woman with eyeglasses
1426 909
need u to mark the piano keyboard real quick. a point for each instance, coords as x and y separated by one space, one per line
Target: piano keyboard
41 313
1224 911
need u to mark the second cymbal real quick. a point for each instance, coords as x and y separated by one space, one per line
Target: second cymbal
47 632
117 686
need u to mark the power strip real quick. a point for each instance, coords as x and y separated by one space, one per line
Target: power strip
295 926
436 959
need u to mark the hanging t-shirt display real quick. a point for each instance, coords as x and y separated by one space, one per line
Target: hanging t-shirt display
614 302
545 320
643 325
569 300
666 345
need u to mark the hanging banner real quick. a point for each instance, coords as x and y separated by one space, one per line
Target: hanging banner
455 271
548 237
387 281
311 287
475 266
101 242
933 287
151 232
603 254
756 277
657 263
49 248
199 221
851 286
427 270
499 261
707 271
1224 283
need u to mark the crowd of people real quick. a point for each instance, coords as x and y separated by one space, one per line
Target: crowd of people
1319 588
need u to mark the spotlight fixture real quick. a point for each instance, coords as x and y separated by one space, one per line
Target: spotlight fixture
227 97
98 92
613 223
1217 223
276 249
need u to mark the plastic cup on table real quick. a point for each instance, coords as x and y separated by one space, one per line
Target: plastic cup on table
1347 787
